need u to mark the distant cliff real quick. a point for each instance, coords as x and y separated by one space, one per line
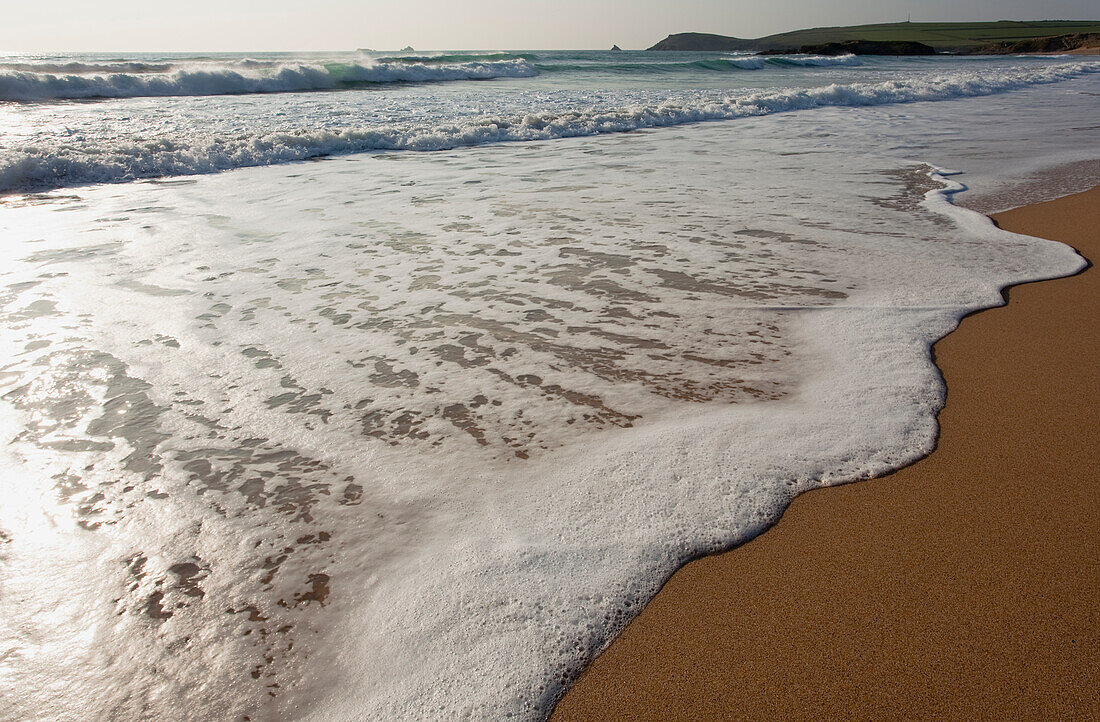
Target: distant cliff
703 42
1055 44
954 37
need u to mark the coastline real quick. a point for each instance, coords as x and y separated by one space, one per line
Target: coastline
962 585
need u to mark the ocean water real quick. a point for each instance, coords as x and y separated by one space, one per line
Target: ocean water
410 430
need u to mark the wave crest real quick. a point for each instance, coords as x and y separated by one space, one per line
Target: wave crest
814 61
76 68
22 85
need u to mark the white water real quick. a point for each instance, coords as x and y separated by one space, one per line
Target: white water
411 435
75 145
25 85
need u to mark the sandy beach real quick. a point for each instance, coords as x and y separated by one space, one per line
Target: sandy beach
392 384
962 586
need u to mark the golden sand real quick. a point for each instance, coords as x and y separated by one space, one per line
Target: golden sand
966 585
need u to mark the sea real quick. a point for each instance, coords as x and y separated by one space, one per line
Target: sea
365 385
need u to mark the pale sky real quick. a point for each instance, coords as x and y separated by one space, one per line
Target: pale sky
252 25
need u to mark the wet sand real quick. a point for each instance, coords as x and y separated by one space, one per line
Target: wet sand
966 585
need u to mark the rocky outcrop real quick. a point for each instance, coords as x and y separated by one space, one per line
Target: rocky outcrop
860 47
1052 44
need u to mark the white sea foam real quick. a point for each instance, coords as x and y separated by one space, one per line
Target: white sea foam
416 434
58 163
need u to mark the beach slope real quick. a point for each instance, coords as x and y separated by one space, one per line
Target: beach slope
964 585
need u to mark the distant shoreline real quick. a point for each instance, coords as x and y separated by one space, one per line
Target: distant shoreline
943 37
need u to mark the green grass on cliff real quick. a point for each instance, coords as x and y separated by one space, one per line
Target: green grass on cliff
942 36
938 35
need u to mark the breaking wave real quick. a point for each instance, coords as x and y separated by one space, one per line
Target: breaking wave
813 61
46 166
458 58
722 64
76 67
49 81
246 77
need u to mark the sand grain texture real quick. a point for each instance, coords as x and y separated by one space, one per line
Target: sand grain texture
965 585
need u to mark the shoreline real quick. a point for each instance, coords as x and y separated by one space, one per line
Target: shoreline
964 584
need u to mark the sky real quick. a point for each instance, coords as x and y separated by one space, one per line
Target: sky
254 25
